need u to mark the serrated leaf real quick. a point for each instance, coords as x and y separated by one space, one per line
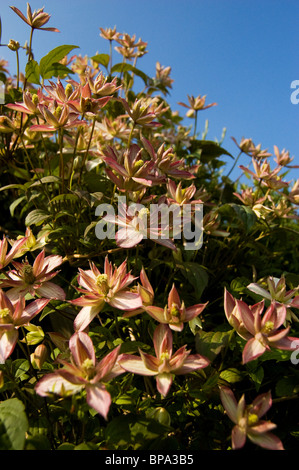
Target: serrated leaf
32 72
54 56
12 436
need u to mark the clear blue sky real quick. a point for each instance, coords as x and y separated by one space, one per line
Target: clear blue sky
243 54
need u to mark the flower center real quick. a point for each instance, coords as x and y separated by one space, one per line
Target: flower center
164 356
102 283
5 316
268 327
88 369
175 313
252 419
28 275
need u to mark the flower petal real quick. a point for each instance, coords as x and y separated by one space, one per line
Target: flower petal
99 399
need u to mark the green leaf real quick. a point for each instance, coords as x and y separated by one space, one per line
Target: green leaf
13 424
243 214
15 203
36 217
102 59
32 72
58 70
210 343
121 68
196 275
54 56
231 375
207 150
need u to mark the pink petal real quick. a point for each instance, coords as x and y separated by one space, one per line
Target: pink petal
8 341
246 315
191 363
238 437
85 317
164 382
156 312
51 291
81 347
54 383
135 365
252 350
99 399
230 403
126 301
267 441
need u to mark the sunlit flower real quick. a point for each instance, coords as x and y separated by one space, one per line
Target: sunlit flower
30 103
247 419
141 112
6 258
128 170
37 19
135 225
166 162
175 313
196 104
146 292
109 33
261 331
35 279
84 372
165 365
277 291
12 317
60 118
110 287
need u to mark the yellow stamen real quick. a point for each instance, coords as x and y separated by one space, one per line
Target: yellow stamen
252 419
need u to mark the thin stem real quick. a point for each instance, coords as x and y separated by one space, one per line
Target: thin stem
87 150
18 68
61 162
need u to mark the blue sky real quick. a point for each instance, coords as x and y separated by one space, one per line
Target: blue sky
243 54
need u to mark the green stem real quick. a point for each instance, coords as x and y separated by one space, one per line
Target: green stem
87 150
61 162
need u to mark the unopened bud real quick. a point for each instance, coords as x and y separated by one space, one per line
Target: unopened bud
13 45
39 356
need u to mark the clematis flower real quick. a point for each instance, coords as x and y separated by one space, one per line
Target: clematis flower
110 287
247 419
87 104
174 314
166 162
146 292
128 170
60 118
6 258
84 372
37 19
12 317
141 112
30 103
196 104
34 279
278 292
261 331
165 364
139 224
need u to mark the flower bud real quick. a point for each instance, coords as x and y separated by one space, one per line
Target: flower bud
39 356
13 45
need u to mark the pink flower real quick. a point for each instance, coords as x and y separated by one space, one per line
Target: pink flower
37 19
261 331
137 225
174 314
34 279
110 287
60 118
165 364
247 420
6 258
146 292
84 372
12 317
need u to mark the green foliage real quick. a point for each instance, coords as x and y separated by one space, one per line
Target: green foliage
60 159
